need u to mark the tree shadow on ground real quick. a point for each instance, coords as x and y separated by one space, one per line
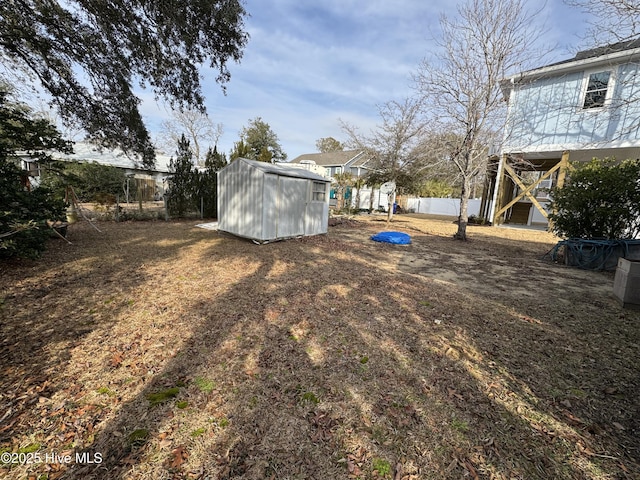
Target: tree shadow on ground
50 306
320 359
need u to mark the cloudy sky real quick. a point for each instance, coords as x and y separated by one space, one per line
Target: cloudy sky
309 64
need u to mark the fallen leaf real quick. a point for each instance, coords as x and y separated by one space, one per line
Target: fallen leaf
178 456
116 360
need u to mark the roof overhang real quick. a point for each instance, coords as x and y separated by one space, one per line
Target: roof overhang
564 68
283 170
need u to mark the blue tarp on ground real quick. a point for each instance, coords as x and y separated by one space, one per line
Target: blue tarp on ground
397 238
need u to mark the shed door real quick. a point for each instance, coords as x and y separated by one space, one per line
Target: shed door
292 197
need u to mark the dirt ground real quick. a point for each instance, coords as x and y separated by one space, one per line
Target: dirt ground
162 350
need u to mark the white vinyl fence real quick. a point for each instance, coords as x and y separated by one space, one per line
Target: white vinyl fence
441 206
434 206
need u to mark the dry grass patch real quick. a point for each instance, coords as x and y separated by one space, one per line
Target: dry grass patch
177 352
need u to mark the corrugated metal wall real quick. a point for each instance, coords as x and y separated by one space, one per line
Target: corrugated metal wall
267 206
317 214
240 201
292 201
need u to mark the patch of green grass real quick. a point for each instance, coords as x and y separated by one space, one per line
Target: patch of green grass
310 397
205 385
364 360
382 467
106 391
198 432
182 404
576 392
31 448
162 396
138 437
459 425
223 422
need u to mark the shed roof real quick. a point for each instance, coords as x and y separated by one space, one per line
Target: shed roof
355 158
283 170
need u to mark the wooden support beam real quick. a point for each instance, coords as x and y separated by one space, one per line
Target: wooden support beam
562 175
500 186
526 190
564 166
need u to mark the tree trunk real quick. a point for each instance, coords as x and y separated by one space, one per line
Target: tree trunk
391 199
461 234
371 201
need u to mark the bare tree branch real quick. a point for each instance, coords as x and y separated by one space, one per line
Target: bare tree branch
460 83
612 20
196 126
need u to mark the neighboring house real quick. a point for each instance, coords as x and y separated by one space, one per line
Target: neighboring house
151 182
271 201
575 110
352 161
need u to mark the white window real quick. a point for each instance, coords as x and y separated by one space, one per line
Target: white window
598 89
319 192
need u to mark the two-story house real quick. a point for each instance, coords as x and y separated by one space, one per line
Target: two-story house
575 110
350 161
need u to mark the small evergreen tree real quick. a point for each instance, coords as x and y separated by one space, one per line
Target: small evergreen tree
262 142
240 149
329 144
24 211
600 201
207 182
181 196
90 181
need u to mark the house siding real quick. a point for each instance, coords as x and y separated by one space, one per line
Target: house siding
547 114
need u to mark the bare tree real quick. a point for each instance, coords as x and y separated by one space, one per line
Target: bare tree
196 126
460 85
392 144
613 20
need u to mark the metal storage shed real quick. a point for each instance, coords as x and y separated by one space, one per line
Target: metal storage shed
265 202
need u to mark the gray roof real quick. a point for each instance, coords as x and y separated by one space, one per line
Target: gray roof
593 56
605 50
283 170
87 152
355 158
